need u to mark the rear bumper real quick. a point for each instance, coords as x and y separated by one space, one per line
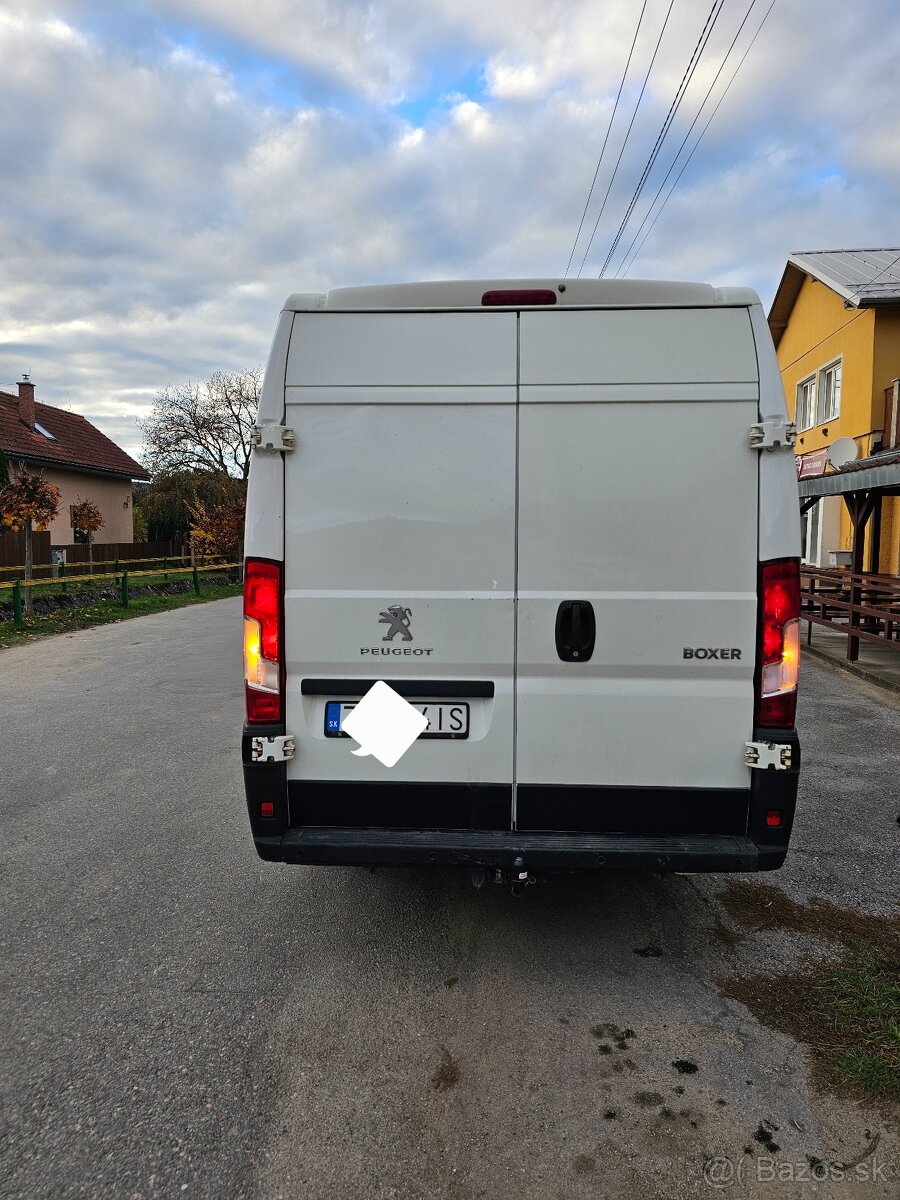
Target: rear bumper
655 829
539 851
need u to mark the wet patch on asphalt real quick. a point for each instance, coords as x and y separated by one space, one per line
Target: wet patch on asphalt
446 1074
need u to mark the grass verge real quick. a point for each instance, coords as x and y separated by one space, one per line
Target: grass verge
848 1012
66 620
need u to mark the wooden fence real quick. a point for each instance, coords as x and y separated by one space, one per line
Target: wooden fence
78 560
12 551
77 557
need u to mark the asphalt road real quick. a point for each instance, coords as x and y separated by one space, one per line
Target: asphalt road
179 1018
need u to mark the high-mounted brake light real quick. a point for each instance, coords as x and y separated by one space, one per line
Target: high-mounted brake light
779 648
515 297
263 646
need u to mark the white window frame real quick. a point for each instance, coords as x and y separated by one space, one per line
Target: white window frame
811 525
805 420
824 415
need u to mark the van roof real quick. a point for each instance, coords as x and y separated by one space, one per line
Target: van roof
575 293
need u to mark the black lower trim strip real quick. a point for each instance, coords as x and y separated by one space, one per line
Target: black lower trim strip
424 689
642 811
400 805
661 811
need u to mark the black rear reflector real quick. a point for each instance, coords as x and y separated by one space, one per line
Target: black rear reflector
515 298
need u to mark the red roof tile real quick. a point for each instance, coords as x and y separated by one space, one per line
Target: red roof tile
76 442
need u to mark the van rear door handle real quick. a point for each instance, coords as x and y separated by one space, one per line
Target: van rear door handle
576 630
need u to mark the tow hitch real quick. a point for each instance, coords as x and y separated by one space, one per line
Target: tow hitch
518 877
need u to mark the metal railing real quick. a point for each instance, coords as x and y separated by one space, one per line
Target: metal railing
73 569
863 606
123 579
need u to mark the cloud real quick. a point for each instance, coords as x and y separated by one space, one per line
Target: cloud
159 203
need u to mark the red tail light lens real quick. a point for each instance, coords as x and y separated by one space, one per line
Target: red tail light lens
262 641
515 297
779 650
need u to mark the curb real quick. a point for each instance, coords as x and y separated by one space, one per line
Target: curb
838 664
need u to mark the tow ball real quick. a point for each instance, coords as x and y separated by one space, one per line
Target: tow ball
519 877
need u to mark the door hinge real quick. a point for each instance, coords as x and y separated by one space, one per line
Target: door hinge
773 435
273 749
272 437
772 756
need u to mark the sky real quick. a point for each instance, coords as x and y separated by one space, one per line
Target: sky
173 169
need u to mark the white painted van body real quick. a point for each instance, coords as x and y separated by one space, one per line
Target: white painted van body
477 468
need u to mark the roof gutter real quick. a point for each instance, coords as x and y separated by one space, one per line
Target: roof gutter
63 465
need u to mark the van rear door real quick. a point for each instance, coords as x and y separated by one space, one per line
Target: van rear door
400 558
637 513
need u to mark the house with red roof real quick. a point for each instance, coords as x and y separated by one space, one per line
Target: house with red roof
74 456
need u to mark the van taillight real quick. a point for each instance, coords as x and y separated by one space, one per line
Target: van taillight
262 641
779 649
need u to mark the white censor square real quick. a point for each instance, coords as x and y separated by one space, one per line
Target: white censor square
384 724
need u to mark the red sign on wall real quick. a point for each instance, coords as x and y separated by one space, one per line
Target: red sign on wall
811 465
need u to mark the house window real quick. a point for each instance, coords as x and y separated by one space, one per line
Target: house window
810 543
806 395
829 404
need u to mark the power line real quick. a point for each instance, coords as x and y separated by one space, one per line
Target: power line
621 267
869 282
702 132
606 139
810 349
627 135
685 83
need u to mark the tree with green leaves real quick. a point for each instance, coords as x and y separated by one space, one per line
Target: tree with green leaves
165 507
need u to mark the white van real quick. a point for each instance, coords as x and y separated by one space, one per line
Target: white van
561 517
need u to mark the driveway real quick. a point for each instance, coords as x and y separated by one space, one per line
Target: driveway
180 1018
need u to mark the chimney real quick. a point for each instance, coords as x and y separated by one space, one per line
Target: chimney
26 401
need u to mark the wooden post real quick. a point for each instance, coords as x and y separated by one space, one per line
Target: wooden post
859 505
29 567
875 540
196 580
125 588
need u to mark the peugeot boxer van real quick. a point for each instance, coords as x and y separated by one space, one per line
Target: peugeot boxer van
560 518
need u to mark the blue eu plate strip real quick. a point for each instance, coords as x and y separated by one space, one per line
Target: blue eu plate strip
333 717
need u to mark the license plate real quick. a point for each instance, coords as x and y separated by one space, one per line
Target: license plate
444 720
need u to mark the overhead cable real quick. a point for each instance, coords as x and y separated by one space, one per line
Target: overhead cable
869 282
606 139
623 268
686 78
627 135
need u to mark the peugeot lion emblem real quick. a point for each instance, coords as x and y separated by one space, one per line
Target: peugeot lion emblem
398 618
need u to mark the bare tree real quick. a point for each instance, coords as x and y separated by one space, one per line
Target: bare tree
204 426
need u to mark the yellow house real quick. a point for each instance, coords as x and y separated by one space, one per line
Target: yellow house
835 321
